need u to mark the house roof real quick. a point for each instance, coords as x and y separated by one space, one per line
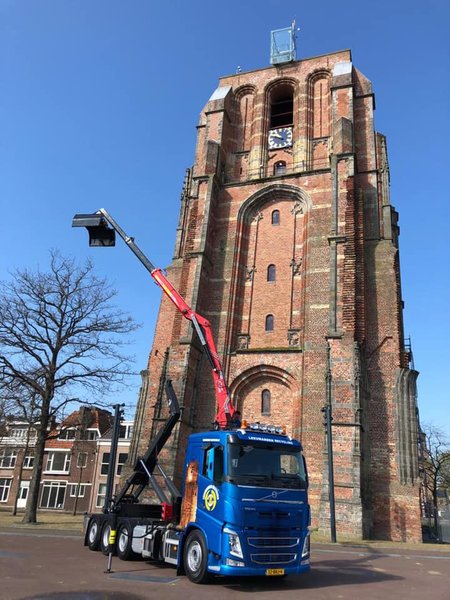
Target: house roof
88 417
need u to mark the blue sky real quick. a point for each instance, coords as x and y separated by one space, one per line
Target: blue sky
98 106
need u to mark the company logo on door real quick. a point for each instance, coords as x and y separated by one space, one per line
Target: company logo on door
211 497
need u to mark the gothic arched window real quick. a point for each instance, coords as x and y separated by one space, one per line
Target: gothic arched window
271 273
265 402
269 323
275 217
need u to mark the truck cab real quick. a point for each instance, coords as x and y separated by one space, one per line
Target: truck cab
245 509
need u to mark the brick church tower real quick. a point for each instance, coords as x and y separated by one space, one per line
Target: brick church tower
287 242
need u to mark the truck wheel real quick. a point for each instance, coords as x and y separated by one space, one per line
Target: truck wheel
124 542
93 534
195 558
104 539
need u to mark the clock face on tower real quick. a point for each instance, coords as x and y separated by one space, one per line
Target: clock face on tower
280 138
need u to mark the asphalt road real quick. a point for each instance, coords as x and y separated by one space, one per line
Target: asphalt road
38 566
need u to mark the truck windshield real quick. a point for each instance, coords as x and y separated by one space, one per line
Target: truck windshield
266 465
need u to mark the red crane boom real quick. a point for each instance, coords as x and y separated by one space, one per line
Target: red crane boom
102 228
225 409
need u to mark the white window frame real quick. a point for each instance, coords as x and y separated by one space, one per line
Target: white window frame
91 435
127 431
81 487
101 495
68 434
82 465
103 462
53 484
5 488
50 459
28 461
8 458
18 432
120 465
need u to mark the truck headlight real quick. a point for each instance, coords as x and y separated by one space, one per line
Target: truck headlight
305 550
234 543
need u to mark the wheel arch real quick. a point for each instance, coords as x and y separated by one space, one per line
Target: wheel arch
190 527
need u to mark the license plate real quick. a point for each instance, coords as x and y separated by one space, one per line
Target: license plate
274 571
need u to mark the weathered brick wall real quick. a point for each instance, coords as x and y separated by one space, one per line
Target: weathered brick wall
335 298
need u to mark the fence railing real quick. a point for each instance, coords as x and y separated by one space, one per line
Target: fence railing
240 173
444 525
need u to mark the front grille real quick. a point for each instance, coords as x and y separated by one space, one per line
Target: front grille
274 514
273 542
273 559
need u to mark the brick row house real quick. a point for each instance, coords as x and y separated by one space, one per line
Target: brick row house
76 458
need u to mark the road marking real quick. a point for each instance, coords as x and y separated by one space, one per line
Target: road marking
434 573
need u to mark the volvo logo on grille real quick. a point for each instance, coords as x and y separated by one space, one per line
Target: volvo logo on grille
274 495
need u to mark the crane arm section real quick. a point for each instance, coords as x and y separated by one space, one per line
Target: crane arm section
225 410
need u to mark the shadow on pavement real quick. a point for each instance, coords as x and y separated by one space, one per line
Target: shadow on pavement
324 573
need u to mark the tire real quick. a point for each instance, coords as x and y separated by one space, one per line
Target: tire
195 558
124 542
93 534
104 538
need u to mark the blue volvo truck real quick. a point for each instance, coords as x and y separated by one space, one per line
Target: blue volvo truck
243 506
250 508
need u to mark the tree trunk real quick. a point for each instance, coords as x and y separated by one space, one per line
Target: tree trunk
435 515
33 495
19 476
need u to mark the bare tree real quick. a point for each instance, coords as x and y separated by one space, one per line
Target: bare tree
445 472
436 464
59 335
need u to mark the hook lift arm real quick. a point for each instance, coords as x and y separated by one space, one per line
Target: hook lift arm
98 223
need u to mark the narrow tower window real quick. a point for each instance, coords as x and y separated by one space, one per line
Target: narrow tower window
276 217
269 323
271 273
279 168
265 402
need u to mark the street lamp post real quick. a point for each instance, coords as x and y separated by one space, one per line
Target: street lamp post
118 413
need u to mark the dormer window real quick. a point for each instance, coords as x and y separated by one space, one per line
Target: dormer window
67 434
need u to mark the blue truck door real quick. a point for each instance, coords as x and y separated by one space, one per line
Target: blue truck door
210 511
